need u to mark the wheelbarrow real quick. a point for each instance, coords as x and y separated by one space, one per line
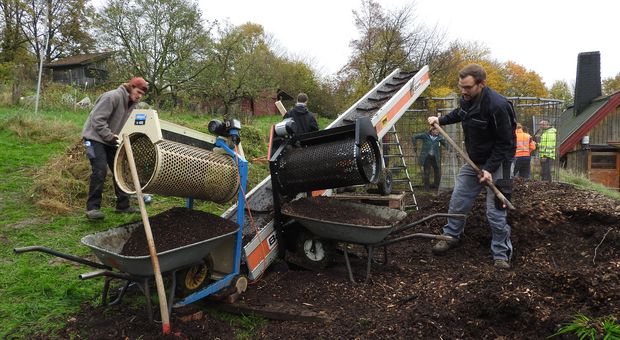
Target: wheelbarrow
190 267
316 244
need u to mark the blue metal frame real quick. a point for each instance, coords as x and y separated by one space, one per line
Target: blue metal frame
216 286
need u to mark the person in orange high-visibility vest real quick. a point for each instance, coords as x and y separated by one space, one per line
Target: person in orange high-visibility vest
525 146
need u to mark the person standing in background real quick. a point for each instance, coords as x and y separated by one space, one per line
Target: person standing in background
303 118
523 155
546 149
430 155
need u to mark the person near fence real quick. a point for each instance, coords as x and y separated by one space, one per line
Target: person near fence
546 149
430 156
100 136
523 154
303 118
488 121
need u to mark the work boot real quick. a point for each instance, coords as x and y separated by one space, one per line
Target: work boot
441 247
128 210
502 264
95 214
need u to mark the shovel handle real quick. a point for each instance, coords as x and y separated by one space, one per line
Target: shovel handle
161 292
462 153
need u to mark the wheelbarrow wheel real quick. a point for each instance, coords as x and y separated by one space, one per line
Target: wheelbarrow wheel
192 278
314 252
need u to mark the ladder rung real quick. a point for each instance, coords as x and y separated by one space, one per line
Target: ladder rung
400 180
392 156
400 167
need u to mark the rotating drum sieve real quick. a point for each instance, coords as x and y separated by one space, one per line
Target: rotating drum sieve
172 168
328 159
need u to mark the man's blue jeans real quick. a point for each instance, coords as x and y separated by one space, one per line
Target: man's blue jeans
465 191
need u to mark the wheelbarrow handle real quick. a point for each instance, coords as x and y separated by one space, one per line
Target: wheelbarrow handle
61 255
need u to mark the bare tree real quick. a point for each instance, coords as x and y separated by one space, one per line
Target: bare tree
390 39
65 23
12 43
163 41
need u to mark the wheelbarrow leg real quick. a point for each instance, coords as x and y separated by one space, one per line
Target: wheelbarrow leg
369 249
121 293
147 294
346 260
173 287
385 255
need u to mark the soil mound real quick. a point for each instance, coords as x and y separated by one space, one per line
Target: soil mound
566 261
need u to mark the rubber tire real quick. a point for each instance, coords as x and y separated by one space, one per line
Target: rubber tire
324 249
384 185
200 271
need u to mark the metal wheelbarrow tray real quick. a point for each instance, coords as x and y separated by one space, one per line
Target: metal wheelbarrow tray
107 245
350 232
370 236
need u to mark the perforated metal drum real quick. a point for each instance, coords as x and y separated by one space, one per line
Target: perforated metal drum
175 169
335 164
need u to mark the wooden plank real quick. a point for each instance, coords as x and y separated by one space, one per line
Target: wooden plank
394 201
273 311
370 197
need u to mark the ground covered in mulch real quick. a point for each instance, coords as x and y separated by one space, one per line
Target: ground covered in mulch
566 261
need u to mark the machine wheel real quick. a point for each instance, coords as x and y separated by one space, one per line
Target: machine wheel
385 182
314 252
192 278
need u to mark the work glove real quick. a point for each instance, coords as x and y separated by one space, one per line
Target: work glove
505 187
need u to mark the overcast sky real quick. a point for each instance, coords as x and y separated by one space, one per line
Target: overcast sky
544 36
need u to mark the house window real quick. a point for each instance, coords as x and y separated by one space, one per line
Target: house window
603 161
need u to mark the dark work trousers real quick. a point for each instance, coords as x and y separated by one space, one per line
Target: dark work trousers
101 158
522 167
428 164
546 165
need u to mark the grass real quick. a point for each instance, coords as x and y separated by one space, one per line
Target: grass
582 182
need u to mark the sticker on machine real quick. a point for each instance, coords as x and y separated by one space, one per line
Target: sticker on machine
272 240
140 119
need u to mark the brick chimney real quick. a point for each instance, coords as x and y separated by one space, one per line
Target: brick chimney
588 82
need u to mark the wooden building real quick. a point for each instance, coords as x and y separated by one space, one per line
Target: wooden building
589 132
80 70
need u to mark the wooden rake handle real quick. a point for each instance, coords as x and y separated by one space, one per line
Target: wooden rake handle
473 165
161 292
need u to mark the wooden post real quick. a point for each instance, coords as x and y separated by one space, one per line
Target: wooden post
161 292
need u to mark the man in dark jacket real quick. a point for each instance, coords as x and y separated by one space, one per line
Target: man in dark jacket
304 120
101 139
489 123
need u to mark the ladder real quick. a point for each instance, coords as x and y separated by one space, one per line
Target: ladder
395 163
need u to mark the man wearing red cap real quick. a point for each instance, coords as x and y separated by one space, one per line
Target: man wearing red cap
101 139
